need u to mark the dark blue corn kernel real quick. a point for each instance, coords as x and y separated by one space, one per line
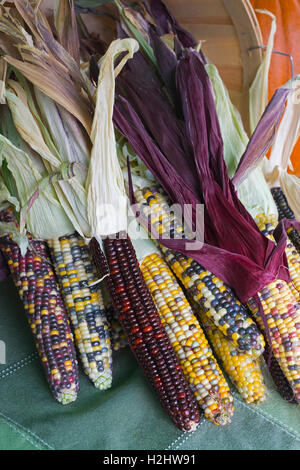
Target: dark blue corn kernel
219 296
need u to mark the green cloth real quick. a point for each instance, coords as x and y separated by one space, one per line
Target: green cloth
125 417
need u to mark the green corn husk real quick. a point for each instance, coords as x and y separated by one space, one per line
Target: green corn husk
51 149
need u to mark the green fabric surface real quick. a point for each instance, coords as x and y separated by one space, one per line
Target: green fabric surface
13 437
125 417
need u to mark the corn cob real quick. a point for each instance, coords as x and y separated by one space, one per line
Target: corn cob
188 340
76 274
36 283
145 333
208 291
242 369
285 212
282 313
267 225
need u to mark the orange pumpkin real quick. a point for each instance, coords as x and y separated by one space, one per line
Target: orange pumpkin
287 37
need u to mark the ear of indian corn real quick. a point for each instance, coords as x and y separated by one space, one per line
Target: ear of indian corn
280 304
242 369
145 332
285 212
207 290
188 340
267 224
76 275
282 315
36 284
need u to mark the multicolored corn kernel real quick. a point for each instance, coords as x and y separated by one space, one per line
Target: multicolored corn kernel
117 335
267 225
76 275
282 314
243 370
145 332
187 338
285 212
36 283
207 290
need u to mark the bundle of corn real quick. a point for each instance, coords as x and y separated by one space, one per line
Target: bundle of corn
195 278
77 276
86 108
35 281
259 203
188 340
208 295
187 160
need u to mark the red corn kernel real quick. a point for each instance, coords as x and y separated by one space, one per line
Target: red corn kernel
147 329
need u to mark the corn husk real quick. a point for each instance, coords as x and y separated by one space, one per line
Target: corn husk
69 190
259 88
45 219
107 200
71 131
66 27
44 61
